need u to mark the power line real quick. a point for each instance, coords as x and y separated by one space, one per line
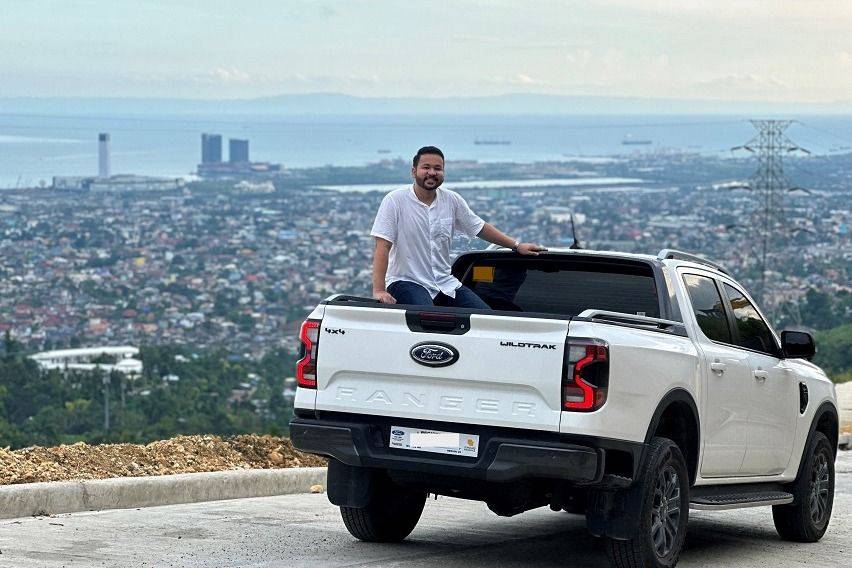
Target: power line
769 182
824 131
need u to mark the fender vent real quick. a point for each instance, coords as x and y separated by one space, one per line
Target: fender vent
803 397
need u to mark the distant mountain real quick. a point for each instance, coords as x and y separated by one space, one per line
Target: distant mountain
340 104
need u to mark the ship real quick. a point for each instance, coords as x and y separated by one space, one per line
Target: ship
491 142
630 141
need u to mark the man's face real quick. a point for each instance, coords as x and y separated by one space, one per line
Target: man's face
429 172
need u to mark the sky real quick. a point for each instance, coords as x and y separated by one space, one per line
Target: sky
748 50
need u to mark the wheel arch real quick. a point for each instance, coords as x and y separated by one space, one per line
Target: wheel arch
676 418
826 421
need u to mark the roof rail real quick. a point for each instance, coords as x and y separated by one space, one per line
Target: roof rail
679 255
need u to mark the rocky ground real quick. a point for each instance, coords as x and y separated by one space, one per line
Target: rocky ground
183 454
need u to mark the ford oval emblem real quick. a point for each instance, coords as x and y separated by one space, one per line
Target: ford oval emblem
434 354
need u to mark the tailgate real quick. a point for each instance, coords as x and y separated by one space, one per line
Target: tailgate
507 372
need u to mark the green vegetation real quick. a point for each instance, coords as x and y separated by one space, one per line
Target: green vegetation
180 392
827 316
817 310
834 352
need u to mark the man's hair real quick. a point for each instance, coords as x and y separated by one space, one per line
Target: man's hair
427 150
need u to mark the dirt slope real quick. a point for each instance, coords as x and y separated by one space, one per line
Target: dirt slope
183 454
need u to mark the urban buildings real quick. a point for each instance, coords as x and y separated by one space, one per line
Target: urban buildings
105 181
238 150
103 156
238 268
238 165
123 359
211 148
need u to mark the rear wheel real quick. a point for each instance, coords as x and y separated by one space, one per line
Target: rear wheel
663 495
391 513
806 518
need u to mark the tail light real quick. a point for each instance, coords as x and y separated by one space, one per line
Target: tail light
585 374
306 368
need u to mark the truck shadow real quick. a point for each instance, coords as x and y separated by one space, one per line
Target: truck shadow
563 541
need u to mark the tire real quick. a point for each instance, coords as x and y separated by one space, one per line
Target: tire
391 513
661 491
806 518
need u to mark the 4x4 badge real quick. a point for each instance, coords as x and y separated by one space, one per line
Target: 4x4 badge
433 354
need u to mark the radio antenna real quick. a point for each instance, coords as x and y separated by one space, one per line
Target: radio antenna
576 243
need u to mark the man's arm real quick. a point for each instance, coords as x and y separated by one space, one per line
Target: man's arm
491 234
380 270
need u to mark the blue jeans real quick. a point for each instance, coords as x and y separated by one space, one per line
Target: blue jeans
415 294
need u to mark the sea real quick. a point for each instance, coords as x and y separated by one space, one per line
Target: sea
36 147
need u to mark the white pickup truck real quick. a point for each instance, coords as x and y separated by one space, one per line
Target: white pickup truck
628 388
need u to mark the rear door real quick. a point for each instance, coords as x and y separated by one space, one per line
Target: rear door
727 377
506 370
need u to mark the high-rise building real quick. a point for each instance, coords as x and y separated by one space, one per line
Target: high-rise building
211 148
238 150
103 155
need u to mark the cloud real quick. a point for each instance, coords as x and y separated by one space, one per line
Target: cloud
231 76
744 83
832 11
520 79
844 60
615 67
491 41
771 87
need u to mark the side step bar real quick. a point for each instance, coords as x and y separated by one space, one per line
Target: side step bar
720 498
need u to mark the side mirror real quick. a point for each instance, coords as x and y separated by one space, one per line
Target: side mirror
797 345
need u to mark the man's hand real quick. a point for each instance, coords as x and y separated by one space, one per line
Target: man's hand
530 249
383 297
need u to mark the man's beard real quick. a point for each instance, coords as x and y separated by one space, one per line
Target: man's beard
436 183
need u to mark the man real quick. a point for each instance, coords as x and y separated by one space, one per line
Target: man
414 229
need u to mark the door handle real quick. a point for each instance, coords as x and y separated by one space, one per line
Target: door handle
760 375
717 367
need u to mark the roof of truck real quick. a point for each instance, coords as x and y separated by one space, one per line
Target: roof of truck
666 256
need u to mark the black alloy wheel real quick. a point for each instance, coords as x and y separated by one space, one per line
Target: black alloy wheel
665 511
662 496
806 518
819 484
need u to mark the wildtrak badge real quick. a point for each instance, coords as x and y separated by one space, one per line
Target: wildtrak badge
530 345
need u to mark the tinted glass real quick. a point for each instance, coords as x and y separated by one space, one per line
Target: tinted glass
754 333
565 287
708 307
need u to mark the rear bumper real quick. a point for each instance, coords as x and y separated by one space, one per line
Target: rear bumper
504 454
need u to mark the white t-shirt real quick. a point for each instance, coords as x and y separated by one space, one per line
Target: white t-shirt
421 235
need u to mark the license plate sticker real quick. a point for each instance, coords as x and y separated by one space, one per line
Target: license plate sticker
434 441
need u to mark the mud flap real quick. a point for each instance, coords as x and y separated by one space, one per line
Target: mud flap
349 486
614 513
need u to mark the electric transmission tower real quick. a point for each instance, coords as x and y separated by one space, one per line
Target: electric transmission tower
770 184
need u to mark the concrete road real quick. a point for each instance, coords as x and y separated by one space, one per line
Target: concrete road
305 530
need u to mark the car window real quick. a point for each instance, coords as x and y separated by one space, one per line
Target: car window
565 286
753 331
708 308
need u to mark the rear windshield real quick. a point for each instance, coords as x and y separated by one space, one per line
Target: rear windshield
563 286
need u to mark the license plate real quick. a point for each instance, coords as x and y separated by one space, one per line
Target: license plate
434 441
